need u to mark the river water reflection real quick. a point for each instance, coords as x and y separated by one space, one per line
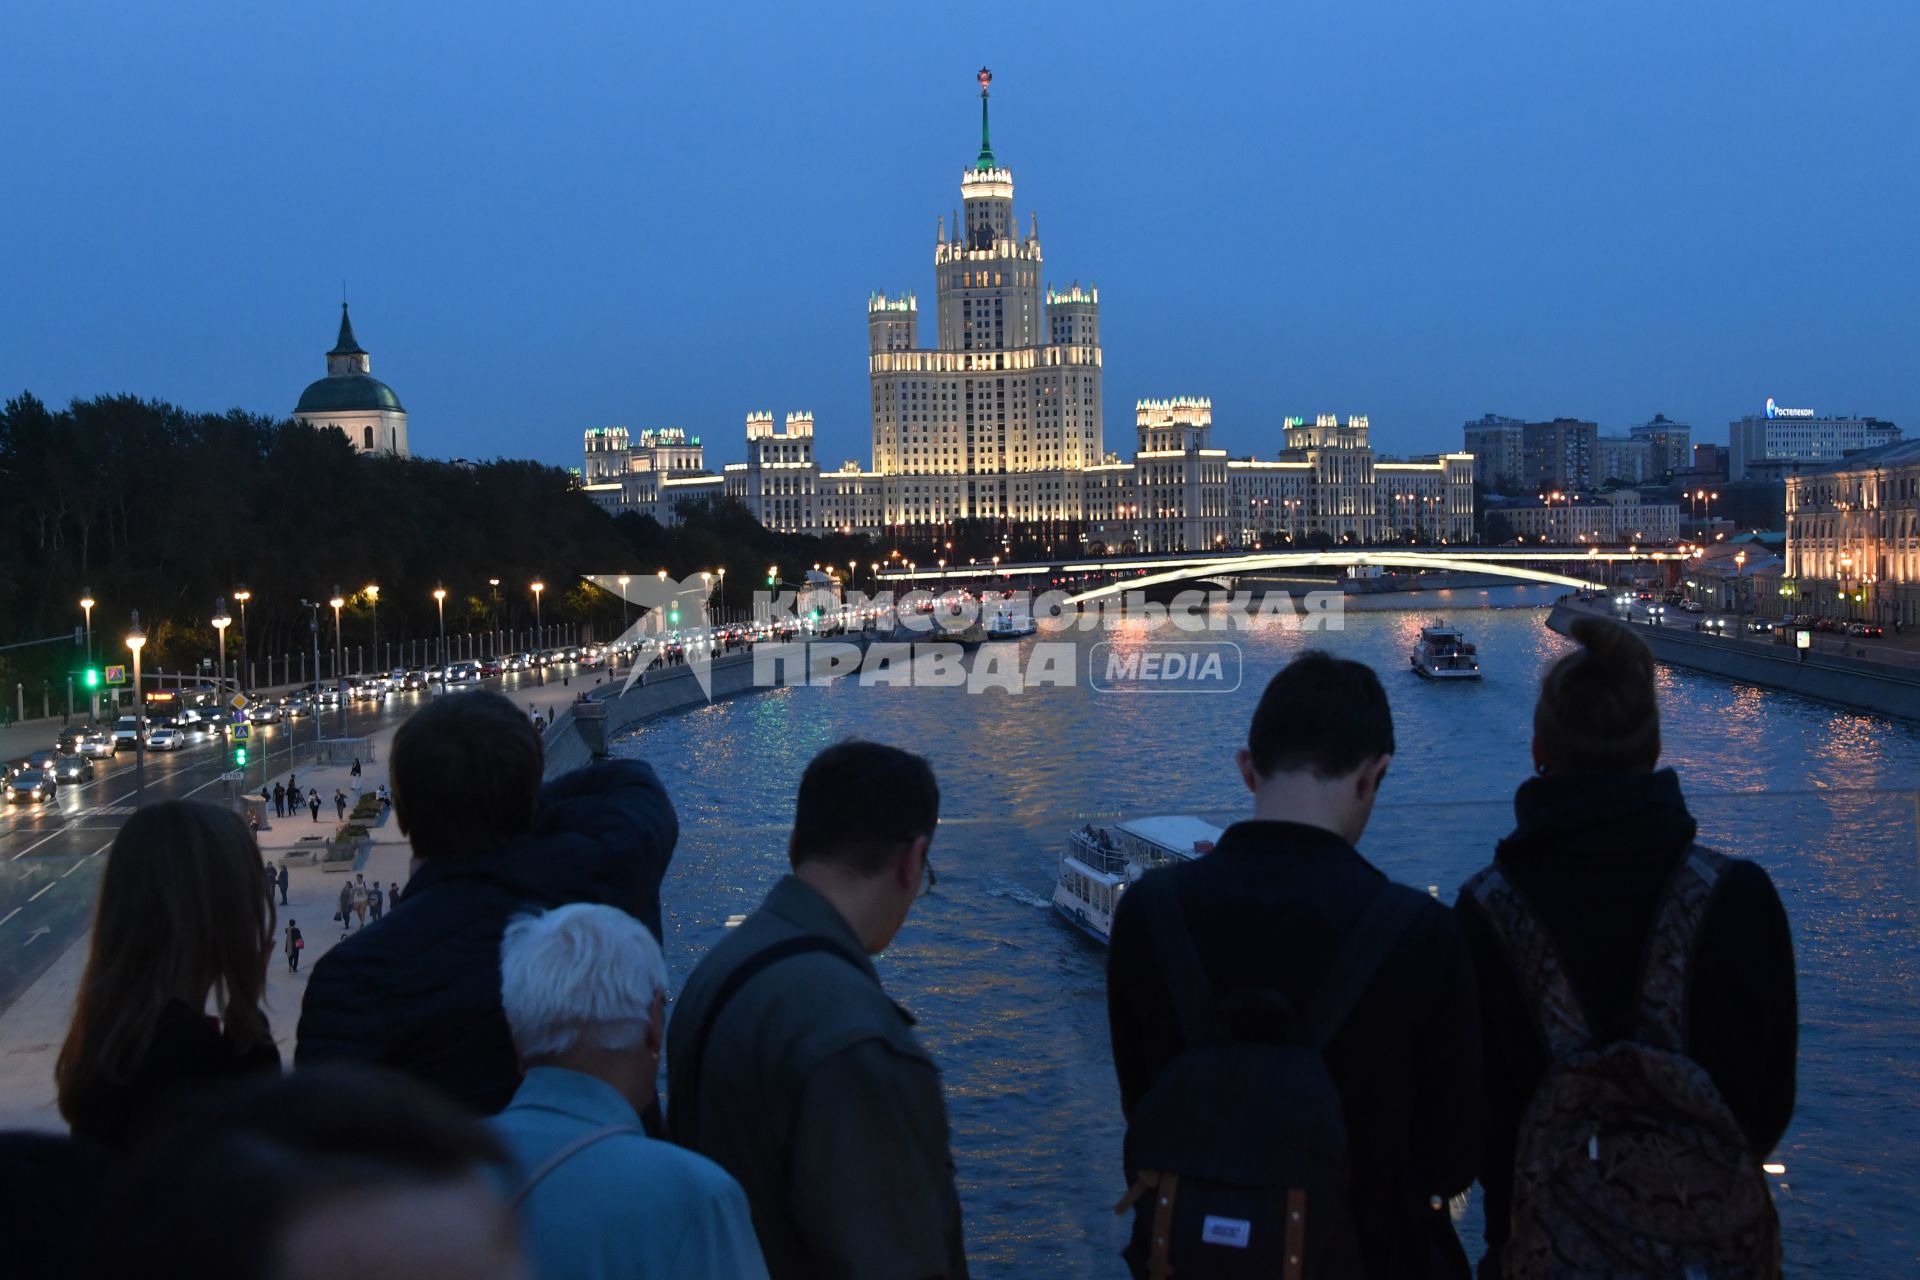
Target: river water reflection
1011 1001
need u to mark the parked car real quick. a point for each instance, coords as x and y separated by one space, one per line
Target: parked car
29 787
73 768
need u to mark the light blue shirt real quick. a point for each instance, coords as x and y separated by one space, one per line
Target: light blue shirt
628 1207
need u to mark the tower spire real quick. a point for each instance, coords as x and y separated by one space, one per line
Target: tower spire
986 146
346 346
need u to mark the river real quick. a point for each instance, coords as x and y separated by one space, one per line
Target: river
1011 1001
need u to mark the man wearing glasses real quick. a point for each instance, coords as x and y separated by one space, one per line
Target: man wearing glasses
789 1066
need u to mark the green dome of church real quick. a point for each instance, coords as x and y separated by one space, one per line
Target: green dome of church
345 393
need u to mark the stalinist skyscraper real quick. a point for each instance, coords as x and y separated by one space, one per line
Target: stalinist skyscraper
999 417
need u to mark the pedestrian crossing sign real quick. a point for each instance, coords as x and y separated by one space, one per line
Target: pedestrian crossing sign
241 732
116 675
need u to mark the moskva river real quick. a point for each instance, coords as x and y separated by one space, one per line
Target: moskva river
1011 1000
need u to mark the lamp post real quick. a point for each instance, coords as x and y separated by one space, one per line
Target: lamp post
493 613
623 580
539 637
136 640
339 655
440 605
86 603
220 624
372 593
243 595
723 593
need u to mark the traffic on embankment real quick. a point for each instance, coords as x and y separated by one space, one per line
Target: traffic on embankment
1847 675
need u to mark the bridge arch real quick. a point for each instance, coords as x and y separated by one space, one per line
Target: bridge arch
1234 566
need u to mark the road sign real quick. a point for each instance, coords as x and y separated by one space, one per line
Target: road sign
238 702
116 675
241 732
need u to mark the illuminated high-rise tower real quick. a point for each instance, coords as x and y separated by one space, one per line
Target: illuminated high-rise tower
997 419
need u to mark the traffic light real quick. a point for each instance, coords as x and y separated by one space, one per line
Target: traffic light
673 614
240 757
90 677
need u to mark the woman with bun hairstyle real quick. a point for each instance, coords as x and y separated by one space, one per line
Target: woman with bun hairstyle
176 971
1601 834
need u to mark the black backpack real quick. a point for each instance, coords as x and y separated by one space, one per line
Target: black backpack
1240 1147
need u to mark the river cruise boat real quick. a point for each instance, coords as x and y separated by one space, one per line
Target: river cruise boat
1100 862
1007 625
1444 654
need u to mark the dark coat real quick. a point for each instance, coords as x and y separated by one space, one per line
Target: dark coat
1592 856
189 1053
1267 908
422 992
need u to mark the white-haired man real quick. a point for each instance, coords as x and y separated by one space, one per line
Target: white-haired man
584 991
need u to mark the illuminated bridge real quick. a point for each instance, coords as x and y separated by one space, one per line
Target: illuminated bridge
1577 568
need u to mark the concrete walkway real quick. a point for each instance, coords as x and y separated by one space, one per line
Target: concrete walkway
32 1031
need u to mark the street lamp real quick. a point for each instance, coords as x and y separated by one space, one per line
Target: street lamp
623 580
87 602
440 604
723 593
137 640
372 592
220 624
539 640
243 595
493 612
339 651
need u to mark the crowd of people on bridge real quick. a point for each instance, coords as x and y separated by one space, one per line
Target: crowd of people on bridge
1312 1061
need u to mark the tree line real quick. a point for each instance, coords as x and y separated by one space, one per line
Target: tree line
146 505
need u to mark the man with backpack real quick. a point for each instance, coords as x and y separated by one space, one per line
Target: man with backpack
1638 999
1295 1036
789 1066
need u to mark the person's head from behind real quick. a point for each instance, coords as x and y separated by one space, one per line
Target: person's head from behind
1319 745
584 988
331 1171
183 914
862 826
1597 711
466 774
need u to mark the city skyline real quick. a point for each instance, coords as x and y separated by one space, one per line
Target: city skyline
519 287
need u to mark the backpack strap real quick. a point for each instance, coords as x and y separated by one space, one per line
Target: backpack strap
1535 962
1180 965
754 965
566 1153
1362 952
1676 923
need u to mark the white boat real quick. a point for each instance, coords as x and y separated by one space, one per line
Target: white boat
1100 862
1443 653
1006 625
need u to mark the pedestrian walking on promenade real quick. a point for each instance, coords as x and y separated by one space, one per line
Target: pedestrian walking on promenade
182 916
790 1067
1609 945
360 899
375 900
393 893
295 945
422 994
345 914
356 766
584 990
283 884
313 804
339 804
1309 1089
293 790
279 801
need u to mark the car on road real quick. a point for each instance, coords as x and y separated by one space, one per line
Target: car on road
1865 630
489 666
263 713
97 744
1760 626
462 673
1693 606
30 787
42 761
415 679
166 739
126 729
73 769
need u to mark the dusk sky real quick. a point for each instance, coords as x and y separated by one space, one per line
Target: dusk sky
555 217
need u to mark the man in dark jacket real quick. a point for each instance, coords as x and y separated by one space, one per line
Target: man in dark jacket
1268 907
422 992
790 1068
1597 838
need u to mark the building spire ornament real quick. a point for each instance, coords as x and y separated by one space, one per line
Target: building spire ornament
985 162
346 346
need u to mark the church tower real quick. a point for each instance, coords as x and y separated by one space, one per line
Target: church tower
354 402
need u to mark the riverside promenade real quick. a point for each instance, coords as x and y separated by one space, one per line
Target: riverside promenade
1881 676
32 1029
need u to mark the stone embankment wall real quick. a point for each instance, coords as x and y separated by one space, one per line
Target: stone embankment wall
1841 678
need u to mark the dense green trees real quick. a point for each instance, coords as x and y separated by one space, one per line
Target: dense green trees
156 508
